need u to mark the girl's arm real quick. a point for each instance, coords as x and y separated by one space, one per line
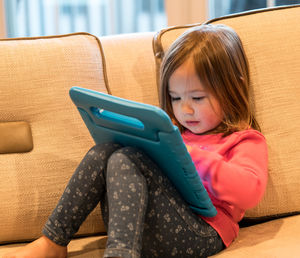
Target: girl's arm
240 176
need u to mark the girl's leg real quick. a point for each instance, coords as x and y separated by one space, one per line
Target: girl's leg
81 195
124 208
170 228
83 192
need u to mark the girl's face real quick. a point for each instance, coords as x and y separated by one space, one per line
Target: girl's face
194 107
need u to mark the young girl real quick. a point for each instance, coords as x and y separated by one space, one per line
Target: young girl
205 90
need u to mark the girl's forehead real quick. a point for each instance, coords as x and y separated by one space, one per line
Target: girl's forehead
185 84
186 88
187 68
185 79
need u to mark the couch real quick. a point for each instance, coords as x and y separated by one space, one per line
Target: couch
42 137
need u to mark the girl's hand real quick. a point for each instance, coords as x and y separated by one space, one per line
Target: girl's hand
189 148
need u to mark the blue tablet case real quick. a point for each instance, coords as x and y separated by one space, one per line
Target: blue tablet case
149 128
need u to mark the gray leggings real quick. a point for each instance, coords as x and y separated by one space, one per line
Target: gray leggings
143 213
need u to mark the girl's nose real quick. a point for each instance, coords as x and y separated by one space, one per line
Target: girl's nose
187 108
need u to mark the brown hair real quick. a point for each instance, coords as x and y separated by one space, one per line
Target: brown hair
222 67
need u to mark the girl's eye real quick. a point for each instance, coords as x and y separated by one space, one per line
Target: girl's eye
198 98
175 98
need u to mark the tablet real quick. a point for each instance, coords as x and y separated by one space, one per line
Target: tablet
149 128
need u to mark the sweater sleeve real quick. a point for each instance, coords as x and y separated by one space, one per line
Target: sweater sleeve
240 176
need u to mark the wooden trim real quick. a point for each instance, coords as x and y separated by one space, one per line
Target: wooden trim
2 20
186 12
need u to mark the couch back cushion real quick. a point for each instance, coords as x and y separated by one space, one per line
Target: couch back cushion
272 43
130 66
36 75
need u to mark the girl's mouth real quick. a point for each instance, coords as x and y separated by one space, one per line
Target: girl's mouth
192 123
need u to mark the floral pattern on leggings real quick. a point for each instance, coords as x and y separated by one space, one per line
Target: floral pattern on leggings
143 213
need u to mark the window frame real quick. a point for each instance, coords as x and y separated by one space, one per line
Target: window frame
3 33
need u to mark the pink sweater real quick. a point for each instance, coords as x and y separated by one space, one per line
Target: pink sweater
233 170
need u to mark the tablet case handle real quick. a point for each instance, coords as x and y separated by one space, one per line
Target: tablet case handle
118 118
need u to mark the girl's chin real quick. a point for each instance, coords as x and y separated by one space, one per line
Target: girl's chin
195 130
199 131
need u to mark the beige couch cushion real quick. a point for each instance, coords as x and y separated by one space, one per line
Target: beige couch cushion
36 75
275 239
272 43
130 66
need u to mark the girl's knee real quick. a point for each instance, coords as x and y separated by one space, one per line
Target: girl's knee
125 155
129 150
118 156
133 153
96 158
94 150
129 156
103 150
122 158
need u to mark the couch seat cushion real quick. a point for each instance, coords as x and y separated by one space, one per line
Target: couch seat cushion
277 238
85 247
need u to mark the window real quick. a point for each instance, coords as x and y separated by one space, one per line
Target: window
99 17
105 17
219 8
180 12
